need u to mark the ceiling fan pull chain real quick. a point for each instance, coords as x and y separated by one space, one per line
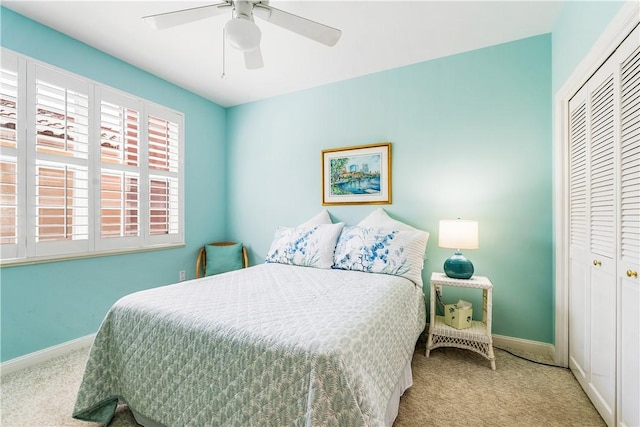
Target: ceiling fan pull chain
224 56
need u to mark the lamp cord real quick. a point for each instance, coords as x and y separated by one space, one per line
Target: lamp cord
530 360
440 303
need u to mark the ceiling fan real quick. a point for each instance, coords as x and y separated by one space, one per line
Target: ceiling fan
241 31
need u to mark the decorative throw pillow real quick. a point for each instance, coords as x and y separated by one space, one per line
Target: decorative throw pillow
305 246
221 259
380 218
322 218
382 250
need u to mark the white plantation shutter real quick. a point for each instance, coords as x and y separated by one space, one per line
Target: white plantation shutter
119 204
164 161
61 177
84 169
120 209
163 145
62 195
603 208
61 120
8 200
8 104
578 224
9 212
630 154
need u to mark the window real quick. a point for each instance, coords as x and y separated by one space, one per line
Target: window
84 169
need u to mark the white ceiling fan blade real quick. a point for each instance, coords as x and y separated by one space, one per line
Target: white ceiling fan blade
179 17
321 33
253 59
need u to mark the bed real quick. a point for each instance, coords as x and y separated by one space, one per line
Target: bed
275 344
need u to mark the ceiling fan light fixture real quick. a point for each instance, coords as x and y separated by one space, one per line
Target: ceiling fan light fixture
243 34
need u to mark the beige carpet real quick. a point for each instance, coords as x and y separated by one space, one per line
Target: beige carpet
451 388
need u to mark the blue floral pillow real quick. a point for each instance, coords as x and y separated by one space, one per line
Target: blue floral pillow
305 246
382 250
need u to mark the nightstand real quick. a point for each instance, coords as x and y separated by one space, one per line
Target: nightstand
476 338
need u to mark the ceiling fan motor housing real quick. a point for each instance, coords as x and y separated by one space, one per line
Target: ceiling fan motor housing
241 32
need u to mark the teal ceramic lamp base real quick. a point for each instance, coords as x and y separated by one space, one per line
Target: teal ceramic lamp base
458 267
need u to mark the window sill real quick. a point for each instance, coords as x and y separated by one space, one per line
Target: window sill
42 260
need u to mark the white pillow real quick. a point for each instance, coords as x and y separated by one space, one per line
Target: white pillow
305 246
379 218
382 250
322 218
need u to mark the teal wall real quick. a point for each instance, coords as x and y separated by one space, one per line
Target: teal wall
577 28
471 137
47 304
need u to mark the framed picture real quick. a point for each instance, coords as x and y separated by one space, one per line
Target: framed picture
357 175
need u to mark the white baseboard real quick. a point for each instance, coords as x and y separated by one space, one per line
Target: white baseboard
42 356
535 347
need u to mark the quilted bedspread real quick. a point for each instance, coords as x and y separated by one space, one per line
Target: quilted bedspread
273 344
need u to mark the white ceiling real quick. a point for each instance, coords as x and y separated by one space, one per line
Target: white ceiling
376 36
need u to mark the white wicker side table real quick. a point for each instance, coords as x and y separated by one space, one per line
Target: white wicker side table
476 338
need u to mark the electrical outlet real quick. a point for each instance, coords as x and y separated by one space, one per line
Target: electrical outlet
183 275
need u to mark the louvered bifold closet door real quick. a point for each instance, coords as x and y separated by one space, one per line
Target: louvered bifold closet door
604 235
629 234
579 236
602 116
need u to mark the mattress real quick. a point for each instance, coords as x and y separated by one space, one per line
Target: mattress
269 345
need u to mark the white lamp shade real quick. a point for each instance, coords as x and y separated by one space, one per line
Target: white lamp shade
458 234
243 34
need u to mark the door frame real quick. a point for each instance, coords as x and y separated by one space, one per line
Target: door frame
617 30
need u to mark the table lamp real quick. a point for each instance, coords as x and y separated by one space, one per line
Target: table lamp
458 234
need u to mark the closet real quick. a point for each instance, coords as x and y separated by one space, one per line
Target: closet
604 235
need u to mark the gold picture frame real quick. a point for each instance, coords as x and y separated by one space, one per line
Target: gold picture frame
359 175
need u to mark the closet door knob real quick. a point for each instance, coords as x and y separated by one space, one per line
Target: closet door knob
632 273
597 262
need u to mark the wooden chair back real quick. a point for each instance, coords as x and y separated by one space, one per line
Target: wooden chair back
201 261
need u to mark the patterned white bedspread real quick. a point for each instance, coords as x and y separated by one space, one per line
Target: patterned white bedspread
273 344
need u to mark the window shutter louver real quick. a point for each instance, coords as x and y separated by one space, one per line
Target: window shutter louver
8 201
163 145
8 154
61 121
61 165
163 176
119 207
119 171
62 196
119 134
8 108
603 208
630 153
